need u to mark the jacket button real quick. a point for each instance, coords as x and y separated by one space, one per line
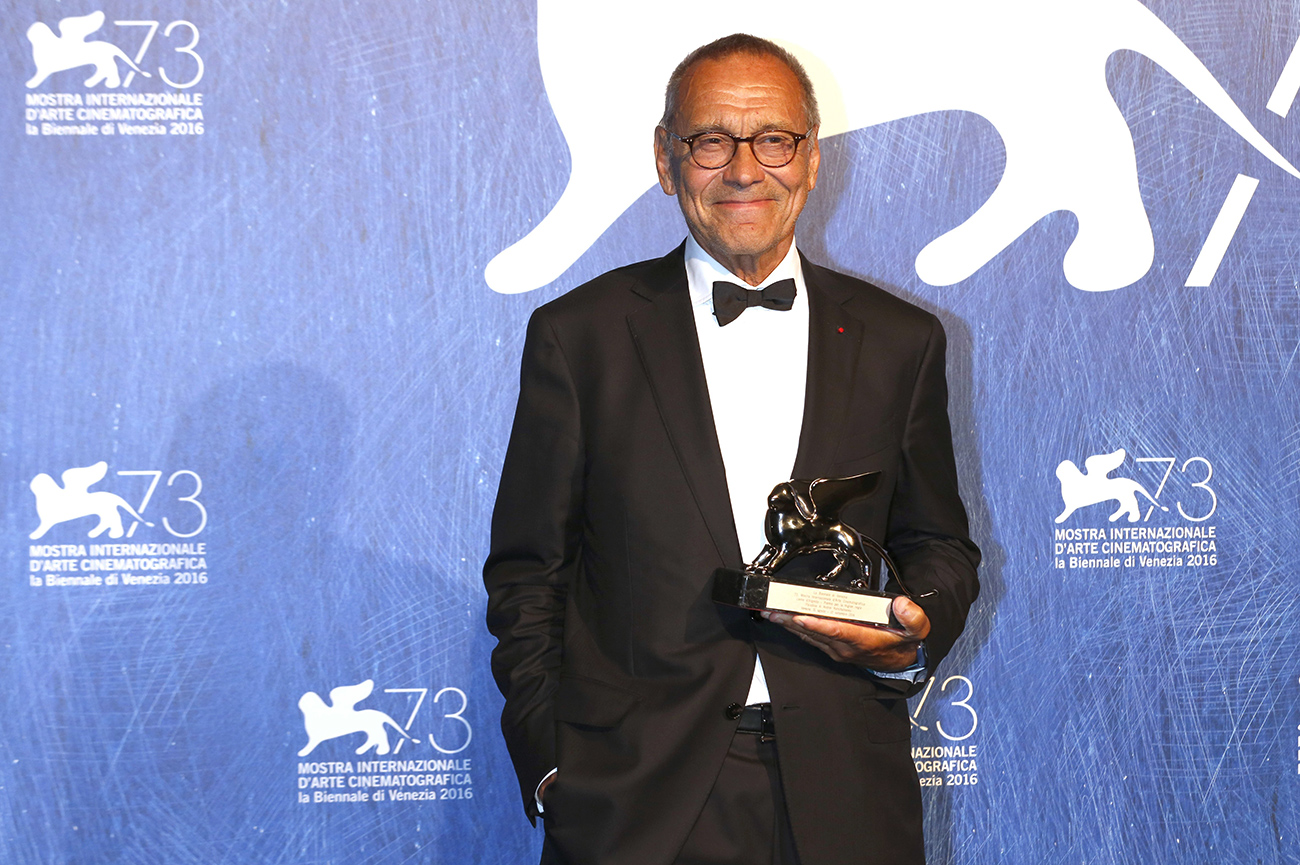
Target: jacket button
733 711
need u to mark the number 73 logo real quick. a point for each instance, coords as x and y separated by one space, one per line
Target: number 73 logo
187 49
73 500
1199 466
969 720
466 731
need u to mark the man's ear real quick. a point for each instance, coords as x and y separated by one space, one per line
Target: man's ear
664 161
814 157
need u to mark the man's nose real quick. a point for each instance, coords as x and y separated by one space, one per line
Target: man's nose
743 169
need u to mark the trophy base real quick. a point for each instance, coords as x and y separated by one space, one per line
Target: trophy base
752 590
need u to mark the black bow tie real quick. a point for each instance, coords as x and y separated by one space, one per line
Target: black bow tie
730 300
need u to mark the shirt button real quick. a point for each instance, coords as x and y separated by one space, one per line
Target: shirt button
733 711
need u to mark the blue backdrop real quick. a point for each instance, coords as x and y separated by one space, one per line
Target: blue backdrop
252 286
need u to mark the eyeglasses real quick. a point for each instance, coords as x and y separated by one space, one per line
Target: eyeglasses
773 148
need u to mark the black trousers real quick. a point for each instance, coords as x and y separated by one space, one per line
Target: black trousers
744 821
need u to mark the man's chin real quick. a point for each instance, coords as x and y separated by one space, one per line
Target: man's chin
740 241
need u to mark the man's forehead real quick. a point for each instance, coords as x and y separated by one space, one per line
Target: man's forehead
754 90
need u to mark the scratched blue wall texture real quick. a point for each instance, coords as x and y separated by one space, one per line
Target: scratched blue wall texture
291 308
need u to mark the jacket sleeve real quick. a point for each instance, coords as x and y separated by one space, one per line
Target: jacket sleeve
928 533
534 551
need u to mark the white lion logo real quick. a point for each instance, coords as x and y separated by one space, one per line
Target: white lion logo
324 722
1036 70
60 504
1092 486
69 50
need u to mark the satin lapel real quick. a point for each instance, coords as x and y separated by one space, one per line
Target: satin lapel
834 345
664 333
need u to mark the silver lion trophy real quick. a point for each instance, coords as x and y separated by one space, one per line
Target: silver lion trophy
803 517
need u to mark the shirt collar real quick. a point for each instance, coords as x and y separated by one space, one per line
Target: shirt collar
702 270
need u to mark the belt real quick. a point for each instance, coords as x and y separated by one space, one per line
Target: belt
757 719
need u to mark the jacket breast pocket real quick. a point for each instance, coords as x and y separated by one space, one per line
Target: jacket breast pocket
591 703
869 515
866 445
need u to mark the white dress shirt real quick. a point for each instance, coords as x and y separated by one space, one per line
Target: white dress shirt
756 359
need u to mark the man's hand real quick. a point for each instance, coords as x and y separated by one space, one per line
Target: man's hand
546 783
884 650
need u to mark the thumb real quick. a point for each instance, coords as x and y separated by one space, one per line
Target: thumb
913 619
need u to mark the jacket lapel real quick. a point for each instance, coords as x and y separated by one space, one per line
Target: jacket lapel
834 345
669 348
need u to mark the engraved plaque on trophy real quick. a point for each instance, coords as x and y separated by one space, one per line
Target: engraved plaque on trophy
803 518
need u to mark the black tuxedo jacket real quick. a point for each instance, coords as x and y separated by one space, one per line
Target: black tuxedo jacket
611 517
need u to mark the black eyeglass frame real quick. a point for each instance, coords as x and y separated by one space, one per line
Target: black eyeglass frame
736 141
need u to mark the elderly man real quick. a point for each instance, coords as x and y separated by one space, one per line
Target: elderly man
658 406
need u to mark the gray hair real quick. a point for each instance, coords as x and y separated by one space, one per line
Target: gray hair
740 43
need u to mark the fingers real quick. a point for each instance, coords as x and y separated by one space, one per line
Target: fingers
876 648
832 637
816 629
827 628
